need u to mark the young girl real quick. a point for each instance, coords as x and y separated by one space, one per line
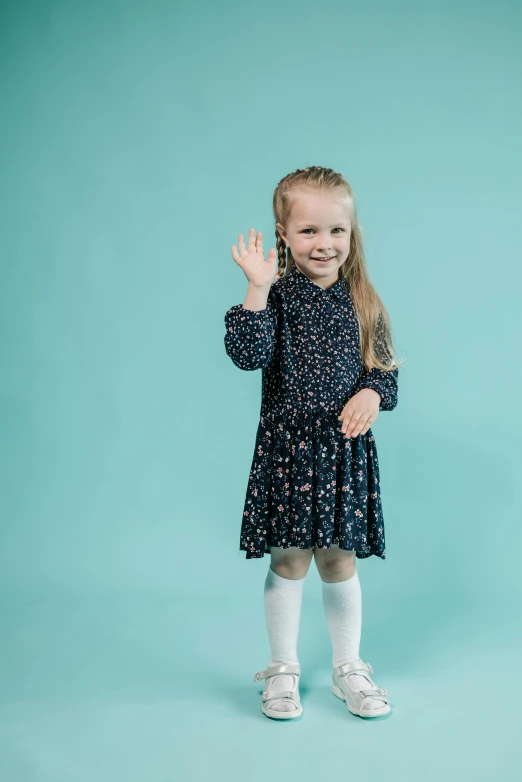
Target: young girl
322 337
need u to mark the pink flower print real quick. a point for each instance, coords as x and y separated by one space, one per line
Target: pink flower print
280 508
358 512
302 445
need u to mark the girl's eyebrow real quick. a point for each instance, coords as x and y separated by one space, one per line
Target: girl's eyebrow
311 225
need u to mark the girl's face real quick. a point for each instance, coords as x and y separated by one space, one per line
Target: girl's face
319 226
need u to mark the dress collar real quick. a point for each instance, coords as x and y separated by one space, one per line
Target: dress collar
307 287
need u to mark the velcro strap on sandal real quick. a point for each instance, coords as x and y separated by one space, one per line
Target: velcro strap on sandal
357 665
271 695
273 670
375 693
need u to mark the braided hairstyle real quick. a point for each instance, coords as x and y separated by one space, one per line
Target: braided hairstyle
374 324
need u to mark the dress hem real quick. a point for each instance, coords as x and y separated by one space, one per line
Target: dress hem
360 554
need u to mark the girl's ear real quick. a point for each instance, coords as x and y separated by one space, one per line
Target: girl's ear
281 231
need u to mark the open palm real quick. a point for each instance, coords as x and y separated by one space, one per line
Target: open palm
251 259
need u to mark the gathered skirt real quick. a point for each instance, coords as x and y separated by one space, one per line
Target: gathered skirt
309 485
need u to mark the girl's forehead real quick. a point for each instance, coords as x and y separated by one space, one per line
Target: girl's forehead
320 207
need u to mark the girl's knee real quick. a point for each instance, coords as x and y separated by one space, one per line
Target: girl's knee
335 564
291 562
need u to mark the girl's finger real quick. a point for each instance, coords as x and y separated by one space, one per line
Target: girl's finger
347 421
251 240
366 426
344 421
359 418
241 244
259 242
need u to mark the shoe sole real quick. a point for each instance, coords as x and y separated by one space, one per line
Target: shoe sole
374 712
288 715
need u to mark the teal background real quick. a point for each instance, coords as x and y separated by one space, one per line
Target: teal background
137 141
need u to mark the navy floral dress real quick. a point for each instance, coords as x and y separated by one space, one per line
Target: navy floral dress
309 485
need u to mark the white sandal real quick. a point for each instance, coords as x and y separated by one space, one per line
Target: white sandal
271 696
355 700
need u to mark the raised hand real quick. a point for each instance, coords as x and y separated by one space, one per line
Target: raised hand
259 273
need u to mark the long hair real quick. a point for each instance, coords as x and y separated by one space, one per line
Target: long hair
375 331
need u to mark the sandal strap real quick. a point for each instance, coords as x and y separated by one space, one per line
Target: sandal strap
279 668
375 692
351 667
271 695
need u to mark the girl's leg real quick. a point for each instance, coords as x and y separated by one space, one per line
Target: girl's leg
341 600
343 609
283 598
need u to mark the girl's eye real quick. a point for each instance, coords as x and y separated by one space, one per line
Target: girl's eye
311 229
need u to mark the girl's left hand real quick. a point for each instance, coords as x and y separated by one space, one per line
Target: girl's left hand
360 412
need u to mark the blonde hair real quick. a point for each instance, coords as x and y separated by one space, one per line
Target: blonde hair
375 331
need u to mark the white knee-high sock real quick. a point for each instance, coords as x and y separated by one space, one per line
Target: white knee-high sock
283 599
343 608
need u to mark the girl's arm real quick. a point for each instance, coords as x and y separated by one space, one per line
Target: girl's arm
385 383
252 329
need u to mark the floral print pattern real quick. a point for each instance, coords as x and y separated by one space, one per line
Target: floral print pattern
309 485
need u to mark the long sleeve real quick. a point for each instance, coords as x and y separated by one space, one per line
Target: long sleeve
384 382
250 335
